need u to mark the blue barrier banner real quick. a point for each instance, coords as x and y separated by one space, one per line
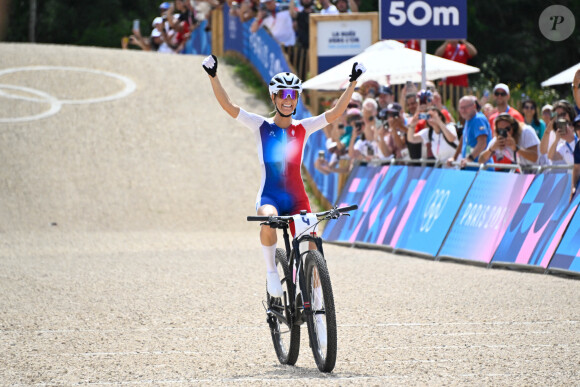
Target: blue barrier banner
435 210
484 216
200 41
426 19
567 256
260 49
531 230
359 189
388 209
327 184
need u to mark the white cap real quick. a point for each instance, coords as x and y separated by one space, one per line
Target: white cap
503 87
157 20
356 96
545 107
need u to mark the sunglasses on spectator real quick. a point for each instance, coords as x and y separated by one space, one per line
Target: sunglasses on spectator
508 127
528 107
285 93
353 105
500 94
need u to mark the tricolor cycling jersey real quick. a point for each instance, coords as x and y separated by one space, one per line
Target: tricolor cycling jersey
280 153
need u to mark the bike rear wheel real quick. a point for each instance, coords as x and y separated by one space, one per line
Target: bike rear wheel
322 322
286 337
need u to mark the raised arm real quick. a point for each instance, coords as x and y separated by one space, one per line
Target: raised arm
335 113
210 64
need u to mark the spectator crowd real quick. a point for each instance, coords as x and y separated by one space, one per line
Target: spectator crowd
172 28
486 130
413 125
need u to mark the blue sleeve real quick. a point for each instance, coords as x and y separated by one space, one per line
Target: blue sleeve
577 153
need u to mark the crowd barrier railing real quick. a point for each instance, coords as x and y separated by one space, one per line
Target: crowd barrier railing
478 216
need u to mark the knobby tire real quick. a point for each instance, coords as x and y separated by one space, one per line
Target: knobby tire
286 339
325 357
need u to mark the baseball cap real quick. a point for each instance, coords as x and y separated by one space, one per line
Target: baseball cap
356 96
393 108
164 5
353 112
330 144
157 20
502 86
385 90
546 107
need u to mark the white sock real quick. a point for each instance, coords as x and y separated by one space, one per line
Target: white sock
270 257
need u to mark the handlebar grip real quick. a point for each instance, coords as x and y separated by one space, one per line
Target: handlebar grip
348 208
256 218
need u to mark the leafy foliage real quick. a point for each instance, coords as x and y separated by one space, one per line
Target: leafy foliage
511 48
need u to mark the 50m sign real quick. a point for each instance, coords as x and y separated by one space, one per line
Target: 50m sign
418 19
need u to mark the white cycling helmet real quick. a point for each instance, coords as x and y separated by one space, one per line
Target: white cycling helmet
282 81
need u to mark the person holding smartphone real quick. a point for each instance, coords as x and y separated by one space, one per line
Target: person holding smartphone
562 109
562 152
514 143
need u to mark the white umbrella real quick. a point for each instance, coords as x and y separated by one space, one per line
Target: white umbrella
566 76
388 57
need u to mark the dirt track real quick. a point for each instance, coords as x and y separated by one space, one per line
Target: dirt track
125 257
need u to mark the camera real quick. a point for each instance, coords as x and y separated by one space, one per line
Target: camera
321 154
358 125
235 5
560 124
502 133
423 116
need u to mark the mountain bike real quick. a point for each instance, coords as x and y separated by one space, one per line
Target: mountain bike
307 291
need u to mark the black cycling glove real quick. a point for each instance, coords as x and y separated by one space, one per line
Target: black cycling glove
357 70
210 64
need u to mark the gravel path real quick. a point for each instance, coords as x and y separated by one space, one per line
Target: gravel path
125 257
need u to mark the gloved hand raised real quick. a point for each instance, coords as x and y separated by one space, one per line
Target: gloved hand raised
357 70
210 64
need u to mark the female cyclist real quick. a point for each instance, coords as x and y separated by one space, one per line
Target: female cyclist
280 141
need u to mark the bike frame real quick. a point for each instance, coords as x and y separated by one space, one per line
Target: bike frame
296 266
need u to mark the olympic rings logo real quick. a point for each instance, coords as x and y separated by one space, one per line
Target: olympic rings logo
55 104
434 209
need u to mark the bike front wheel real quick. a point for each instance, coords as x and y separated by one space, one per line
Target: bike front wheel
285 335
322 322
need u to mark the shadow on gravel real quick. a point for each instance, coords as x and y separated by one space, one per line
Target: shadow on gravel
284 372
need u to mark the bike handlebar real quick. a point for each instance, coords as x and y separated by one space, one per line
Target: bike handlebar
333 212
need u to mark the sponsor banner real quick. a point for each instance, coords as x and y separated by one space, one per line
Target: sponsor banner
484 216
567 256
386 211
436 207
359 189
200 41
425 19
531 231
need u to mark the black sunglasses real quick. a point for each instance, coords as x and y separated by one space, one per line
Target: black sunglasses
499 94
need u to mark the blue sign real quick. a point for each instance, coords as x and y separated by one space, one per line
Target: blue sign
430 19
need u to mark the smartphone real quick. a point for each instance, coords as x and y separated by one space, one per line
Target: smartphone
321 154
136 25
